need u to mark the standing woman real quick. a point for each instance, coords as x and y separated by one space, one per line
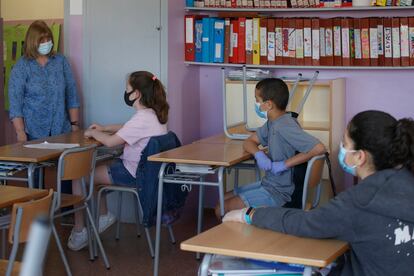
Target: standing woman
376 217
42 90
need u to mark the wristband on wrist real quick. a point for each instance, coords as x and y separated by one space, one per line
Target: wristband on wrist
74 123
247 217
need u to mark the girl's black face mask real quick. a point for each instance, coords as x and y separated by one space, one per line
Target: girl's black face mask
127 100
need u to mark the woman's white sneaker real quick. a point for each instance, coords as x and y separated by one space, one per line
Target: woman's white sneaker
105 221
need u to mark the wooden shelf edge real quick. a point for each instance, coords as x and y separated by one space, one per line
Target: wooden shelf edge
300 67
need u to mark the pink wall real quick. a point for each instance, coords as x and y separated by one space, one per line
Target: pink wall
183 81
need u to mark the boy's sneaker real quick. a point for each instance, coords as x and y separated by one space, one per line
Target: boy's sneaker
78 240
105 221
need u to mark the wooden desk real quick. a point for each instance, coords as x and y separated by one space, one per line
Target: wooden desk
220 155
247 241
10 195
219 139
32 157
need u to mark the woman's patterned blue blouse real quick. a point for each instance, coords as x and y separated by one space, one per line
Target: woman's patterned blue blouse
43 95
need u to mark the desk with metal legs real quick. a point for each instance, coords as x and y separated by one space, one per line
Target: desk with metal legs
217 155
33 158
247 241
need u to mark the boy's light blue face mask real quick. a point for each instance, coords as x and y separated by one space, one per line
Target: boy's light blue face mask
45 48
341 158
259 112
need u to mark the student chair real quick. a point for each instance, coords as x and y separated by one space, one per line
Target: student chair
73 164
22 216
147 179
307 176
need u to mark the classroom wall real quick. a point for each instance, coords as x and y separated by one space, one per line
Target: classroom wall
183 81
31 9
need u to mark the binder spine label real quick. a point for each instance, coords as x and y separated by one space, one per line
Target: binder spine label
365 43
263 42
315 44
380 36
278 42
322 42
328 42
373 42
271 46
299 43
307 38
357 39
396 43
337 41
404 41
388 42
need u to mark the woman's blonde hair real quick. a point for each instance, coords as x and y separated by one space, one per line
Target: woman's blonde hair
37 31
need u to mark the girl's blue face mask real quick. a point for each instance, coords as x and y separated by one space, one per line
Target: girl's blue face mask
259 112
341 158
45 48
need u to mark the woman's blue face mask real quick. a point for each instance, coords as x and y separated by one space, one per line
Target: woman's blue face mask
341 158
45 48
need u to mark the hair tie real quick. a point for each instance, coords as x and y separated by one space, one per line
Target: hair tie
154 78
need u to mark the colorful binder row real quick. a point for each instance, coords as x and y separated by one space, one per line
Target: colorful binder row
373 41
288 3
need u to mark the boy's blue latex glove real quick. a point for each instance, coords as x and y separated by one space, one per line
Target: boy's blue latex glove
278 167
263 162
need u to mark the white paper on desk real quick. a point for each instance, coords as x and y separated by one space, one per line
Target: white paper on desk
47 145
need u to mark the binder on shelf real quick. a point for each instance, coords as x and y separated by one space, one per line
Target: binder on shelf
278 41
373 41
198 40
365 42
189 21
387 41
189 3
256 41
411 39
405 48
234 33
357 42
329 42
315 42
226 40
285 40
322 46
218 41
346 56
205 43
271 41
337 44
241 40
211 40
299 42
263 41
307 41
292 41
351 41
249 41
380 36
396 44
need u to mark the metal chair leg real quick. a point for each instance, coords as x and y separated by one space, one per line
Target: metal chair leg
90 241
118 215
137 215
170 231
61 251
149 240
98 240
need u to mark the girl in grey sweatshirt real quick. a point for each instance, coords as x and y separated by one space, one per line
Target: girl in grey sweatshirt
376 217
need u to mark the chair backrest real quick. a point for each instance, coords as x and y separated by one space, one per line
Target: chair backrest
313 180
305 177
76 163
23 214
147 178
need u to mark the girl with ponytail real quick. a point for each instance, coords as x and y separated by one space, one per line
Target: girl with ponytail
376 216
146 94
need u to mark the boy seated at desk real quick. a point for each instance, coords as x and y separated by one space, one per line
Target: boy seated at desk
284 137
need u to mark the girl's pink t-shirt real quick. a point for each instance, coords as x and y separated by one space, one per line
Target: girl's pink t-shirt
136 133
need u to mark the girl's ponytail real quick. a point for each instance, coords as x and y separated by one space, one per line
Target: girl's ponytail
160 106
